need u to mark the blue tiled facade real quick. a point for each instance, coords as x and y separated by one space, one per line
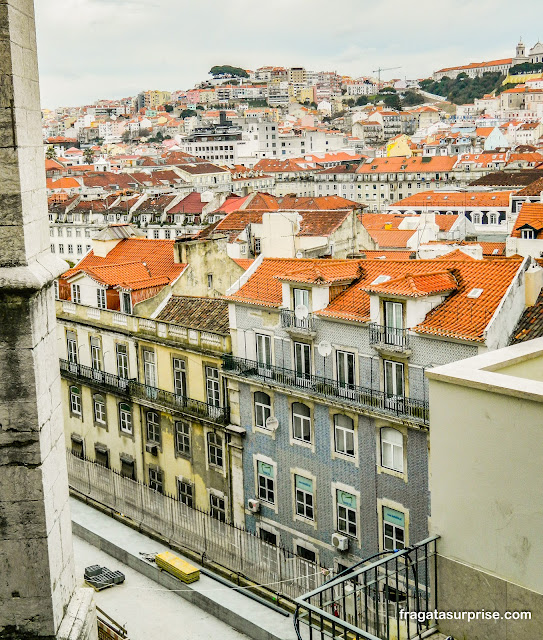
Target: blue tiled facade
373 486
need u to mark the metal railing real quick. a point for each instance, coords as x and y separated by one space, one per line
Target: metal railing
389 336
372 399
290 321
376 599
232 547
146 394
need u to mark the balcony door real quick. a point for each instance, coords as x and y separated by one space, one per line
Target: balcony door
394 385
149 374
345 364
393 323
179 378
263 354
301 297
302 363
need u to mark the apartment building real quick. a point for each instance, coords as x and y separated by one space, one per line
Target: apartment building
386 180
327 380
140 373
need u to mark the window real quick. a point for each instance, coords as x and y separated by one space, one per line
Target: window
209 280
96 355
393 529
302 361
262 408
155 234
76 291
153 427
56 287
344 434
77 446
214 449
263 349
101 298
125 418
393 382
306 554
68 233
167 234
268 536
266 482
346 513
182 438
476 218
75 400
99 404
304 497
79 249
345 369
493 219
52 248
101 455
185 492
301 296
179 377
122 361
301 422
126 302
70 248
212 387
156 480
257 246
393 312
218 509
392 449
71 346
149 368
527 234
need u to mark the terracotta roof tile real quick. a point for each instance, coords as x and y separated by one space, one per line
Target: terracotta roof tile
530 215
456 199
205 314
416 285
392 238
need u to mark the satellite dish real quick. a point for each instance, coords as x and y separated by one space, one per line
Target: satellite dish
113 117
301 312
272 423
299 255
324 348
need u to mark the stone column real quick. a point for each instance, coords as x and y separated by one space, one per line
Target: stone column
38 598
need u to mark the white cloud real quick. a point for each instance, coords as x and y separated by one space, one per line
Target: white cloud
112 48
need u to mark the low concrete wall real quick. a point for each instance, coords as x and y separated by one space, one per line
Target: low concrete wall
463 588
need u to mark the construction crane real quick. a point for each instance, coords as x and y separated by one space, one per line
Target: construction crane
378 71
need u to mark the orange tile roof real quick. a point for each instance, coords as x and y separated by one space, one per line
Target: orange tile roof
388 255
244 263
456 199
392 238
139 262
416 285
419 164
322 272
381 220
457 254
457 317
531 215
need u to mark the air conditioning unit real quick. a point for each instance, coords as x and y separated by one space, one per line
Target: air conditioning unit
253 505
152 449
341 543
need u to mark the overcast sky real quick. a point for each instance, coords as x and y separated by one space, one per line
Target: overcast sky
91 49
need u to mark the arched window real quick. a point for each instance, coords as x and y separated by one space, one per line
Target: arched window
476 218
153 427
392 449
99 409
125 418
344 434
301 422
75 400
493 219
262 408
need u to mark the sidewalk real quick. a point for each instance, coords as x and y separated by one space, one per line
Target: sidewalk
231 607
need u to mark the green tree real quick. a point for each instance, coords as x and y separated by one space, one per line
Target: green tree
187 113
387 90
362 100
50 154
88 155
227 69
168 108
411 98
392 101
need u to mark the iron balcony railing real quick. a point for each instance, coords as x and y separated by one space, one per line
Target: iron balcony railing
290 321
380 598
389 336
375 400
144 393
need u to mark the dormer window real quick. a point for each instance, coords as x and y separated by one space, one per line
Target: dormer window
393 322
527 234
301 297
101 298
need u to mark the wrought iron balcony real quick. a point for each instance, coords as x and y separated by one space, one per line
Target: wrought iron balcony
144 393
303 325
374 400
366 601
389 337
